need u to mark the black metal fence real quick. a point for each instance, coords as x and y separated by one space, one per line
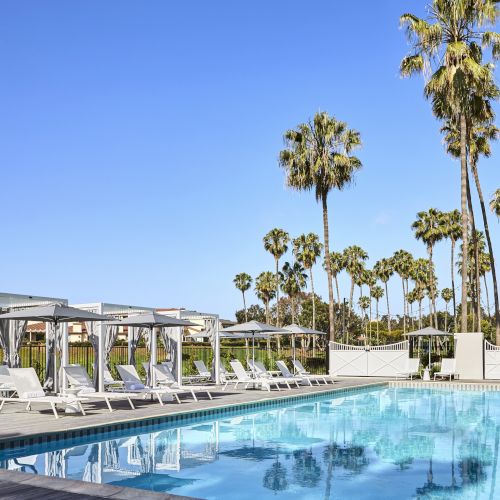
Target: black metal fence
83 354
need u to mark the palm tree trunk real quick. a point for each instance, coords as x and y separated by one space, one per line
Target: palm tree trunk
337 288
433 313
371 319
377 325
404 306
313 298
328 269
277 293
453 284
465 219
446 319
388 308
477 287
492 258
351 295
487 296
245 306
419 314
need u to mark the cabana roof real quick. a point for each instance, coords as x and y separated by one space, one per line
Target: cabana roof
18 301
113 309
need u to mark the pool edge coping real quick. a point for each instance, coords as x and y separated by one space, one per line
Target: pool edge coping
9 443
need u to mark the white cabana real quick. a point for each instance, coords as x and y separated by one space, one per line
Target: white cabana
102 336
12 332
209 325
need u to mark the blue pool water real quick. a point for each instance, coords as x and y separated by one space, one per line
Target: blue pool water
381 443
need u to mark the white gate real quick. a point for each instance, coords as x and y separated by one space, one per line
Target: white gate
491 361
368 361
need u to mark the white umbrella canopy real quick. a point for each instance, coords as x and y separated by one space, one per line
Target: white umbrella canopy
295 329
253 330
152 320
55 313
430 332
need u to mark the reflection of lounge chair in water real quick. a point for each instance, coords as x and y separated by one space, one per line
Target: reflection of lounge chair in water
23 464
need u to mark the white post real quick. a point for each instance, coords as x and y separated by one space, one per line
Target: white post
64 355
130 333
152 357
100 359
179 351
217 352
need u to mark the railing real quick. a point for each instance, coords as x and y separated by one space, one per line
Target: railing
491 347
35 355
398 346
335 346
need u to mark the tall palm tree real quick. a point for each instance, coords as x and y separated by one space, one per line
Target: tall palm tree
377 292
447 43
402 262
265 288
384 269
430 228
420 272
484 269
353 264
276 243
364 304
370 280
337 265
307 248
495 203
453 231
446 295
294 281
480 136
243 282
318 156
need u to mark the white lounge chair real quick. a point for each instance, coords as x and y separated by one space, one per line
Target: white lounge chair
133 383
30 391
110 382
448 366
203 371
411 370
78 379
261 372
242 377
300 378
6 384
299 368
165 378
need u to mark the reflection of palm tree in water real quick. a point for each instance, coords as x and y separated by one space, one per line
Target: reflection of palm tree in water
275 478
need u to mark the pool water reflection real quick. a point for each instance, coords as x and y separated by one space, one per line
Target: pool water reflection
382 443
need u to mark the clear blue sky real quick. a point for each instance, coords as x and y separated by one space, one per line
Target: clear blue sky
139 143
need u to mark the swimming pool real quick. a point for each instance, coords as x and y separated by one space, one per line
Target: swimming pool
373 443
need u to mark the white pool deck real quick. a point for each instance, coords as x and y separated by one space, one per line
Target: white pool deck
17 423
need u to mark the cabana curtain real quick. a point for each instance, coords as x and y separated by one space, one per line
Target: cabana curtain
210 329
169 336
109 341
53 336
135 335
11 337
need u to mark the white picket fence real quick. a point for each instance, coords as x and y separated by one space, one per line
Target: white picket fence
368 361
491 361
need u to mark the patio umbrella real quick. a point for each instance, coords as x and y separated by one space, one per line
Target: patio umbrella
300 330
254 329
152 320
428 332
55 314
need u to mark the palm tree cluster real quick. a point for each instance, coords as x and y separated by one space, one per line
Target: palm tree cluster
450 47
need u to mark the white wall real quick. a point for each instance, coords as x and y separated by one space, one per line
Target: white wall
469 355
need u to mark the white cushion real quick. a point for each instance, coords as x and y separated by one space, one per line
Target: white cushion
134 386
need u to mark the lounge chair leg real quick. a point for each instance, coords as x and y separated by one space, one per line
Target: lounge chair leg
109 404
28 407
194 395
1 404
81 408
159 399
54 410
131 404
209 395
176 396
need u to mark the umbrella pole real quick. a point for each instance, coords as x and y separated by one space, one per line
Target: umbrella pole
54 388
253 355
430 345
